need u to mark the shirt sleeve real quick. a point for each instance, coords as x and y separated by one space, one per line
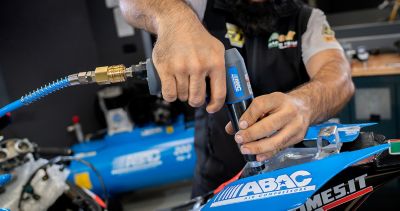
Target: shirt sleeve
318 36
199 6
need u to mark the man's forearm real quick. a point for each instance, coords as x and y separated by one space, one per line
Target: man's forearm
328 91
150 15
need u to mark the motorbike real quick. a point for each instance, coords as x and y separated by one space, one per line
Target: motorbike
30 182
336 167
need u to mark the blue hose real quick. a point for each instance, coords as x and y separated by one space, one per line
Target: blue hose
11 107
4 179
35 95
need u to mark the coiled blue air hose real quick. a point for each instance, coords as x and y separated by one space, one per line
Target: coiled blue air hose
35 95
101 75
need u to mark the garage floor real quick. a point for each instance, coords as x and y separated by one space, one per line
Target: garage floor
158 198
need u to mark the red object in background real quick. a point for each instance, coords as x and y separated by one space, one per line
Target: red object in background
75 119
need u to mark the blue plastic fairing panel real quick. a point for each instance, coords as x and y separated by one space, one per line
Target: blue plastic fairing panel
286 188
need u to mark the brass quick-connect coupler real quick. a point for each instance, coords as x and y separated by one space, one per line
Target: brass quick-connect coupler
110 74
102 75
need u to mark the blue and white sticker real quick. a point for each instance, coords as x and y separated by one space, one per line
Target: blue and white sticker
296 182
235 80
138 161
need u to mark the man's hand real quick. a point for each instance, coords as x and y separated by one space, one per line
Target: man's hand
276 121
185 54
271 123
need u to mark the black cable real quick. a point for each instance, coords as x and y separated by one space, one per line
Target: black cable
29 181
99 177
64 159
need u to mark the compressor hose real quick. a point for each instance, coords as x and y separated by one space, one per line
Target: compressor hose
35 95
101 75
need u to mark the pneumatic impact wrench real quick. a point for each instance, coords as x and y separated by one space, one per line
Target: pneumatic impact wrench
238 97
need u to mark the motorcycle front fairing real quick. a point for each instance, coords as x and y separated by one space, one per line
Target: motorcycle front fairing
335 181
287 188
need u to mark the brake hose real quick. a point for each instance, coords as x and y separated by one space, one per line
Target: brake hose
101 75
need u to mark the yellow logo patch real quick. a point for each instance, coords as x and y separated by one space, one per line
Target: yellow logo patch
328 34
235 35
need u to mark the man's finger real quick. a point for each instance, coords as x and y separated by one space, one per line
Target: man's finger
277 142
229 128
218 88
168 87
263 128
182 82
257 109
197 90
265 156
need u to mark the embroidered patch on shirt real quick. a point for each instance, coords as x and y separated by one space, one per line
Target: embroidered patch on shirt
282 41
327 33
235 35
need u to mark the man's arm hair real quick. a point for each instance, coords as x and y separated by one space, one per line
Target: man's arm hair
330 86
150 15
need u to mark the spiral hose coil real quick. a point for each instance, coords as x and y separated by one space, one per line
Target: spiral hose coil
101 75
35 95
44 91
